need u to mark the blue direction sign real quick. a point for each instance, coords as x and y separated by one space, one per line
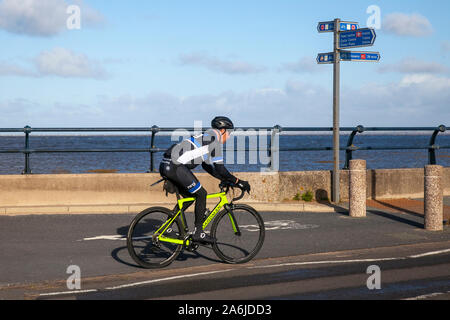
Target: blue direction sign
357 38
360 56
325 58
328 26
347 26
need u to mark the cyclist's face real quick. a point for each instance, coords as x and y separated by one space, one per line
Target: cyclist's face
225 134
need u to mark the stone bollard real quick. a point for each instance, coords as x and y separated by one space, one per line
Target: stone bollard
357 189
433 198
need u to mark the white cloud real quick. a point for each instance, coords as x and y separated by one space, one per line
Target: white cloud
233 67
58 62
413 65
304 65
402 24
297 103
42 18
9 69
430 82
65 63
420 100
415 100
33 17
17 109
20 112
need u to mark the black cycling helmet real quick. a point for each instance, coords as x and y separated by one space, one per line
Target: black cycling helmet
222 123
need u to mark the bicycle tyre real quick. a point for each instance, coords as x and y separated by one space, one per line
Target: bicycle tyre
152 219
236 249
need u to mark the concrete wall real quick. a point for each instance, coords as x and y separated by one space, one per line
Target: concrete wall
381 184
134 189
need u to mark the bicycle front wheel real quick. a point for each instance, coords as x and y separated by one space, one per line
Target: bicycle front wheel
240 234
142 239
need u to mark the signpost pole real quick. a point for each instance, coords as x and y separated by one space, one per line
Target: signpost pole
346 35
336 113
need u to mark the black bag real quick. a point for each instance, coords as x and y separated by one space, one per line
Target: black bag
169 187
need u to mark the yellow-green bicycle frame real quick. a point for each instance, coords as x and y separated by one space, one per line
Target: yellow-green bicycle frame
181 203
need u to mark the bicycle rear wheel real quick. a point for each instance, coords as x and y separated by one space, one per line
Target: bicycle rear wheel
239 233
143 245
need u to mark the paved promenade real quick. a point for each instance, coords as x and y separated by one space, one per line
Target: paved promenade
410 206
38 249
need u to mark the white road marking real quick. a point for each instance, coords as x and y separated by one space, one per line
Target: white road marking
113 237
432 253
268 266
323 262
67 292
133 284
288 225
427 296
426 254
270 226
165 279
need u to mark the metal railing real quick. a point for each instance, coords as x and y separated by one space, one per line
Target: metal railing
276 130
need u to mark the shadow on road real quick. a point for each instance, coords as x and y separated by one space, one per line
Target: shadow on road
322 198
399 209
183 256
396 218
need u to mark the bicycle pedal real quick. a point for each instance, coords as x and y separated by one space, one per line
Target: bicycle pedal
192 248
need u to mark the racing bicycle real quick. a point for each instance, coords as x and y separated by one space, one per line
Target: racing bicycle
158 235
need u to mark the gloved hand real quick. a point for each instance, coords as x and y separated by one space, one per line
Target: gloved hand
244 185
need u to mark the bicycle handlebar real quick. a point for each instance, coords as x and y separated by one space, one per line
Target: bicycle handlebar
225 187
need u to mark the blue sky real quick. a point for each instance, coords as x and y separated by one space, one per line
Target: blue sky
140 63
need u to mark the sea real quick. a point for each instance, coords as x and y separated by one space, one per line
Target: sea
236 161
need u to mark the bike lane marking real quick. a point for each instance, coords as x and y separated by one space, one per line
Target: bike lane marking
270 226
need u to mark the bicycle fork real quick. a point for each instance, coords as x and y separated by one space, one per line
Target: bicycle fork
233 221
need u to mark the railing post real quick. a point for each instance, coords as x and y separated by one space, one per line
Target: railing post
27 131
433 147
357 188
433 198
350 147
155 130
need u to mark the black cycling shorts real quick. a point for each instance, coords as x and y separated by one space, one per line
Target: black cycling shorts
182 176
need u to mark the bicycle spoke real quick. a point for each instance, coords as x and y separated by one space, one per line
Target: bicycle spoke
143 238
236 243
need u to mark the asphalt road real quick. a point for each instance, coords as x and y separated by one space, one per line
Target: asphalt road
305 256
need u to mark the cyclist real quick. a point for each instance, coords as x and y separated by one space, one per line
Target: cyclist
204 149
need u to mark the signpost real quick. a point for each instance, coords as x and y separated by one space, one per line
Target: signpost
357 38
328 26
325 58
347 35
360 56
